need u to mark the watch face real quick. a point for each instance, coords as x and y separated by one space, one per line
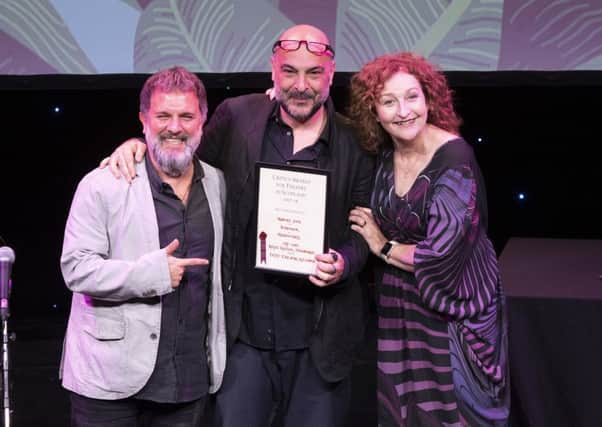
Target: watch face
386 249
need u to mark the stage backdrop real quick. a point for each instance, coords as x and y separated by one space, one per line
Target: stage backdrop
142 36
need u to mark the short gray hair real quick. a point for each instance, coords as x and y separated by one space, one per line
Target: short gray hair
173 79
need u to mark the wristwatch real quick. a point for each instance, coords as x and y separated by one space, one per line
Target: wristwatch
385 251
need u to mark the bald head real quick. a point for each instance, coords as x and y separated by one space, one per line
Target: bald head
302 70
305 32
312 38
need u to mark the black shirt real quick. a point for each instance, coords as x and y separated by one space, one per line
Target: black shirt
181 372
278 309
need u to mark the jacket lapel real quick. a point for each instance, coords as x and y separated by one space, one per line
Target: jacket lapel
253 139
256 130
146 215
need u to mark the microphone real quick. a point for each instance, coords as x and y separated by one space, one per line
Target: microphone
7 257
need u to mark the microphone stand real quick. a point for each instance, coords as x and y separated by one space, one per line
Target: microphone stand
4 313
7 257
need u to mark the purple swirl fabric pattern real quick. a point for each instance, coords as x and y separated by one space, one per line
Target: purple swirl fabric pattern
442 345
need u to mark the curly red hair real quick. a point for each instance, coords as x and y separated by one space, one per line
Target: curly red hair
367 85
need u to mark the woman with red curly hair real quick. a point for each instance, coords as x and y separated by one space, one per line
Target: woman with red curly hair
442 343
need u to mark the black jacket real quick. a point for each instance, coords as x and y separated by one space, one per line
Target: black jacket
232 142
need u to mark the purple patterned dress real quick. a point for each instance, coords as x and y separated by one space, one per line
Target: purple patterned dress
442 345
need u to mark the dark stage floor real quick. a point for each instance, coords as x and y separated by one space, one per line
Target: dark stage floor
37 398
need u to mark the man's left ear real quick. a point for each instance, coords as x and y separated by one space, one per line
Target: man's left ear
141 117
334 64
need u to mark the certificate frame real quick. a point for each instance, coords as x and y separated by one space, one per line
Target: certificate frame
291 221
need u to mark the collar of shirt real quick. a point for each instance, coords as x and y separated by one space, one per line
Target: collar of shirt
324 137
162 187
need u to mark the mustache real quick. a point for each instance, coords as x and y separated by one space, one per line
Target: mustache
170 135
295 94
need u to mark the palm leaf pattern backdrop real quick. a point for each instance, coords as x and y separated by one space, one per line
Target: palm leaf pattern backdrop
236 35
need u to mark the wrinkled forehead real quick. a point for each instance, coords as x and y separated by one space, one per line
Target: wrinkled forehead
174 100
301 59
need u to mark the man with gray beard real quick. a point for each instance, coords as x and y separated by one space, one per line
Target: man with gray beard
145 343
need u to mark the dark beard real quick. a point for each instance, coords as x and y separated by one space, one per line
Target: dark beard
301 118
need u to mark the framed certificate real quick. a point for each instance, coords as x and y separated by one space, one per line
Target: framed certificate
291 218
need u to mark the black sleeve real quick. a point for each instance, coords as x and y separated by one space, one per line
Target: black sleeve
354 248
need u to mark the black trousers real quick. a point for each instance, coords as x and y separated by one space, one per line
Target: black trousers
87 412
264 388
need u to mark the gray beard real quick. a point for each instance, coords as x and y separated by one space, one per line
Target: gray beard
173 165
